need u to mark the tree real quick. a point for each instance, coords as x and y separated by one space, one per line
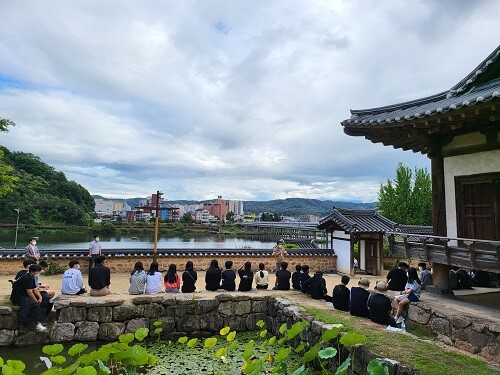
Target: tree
230 217
7 177
5 123
186 218
408 198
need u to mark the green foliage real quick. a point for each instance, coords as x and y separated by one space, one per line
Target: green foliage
186 218
408 198
7 178
55 267
5 123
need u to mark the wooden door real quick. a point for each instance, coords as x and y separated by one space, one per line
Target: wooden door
371 256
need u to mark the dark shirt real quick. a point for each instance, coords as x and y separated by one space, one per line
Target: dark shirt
304 285
212 279
246 278
340 297
358 304
296 280
380 309
20 287
398 279
189 281
481 278
464 279
229 280
20 273
316 286
283 279
99 277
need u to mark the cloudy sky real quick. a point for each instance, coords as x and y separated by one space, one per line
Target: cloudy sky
242 99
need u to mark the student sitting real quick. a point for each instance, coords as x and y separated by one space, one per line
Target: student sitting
425 275
296 277
189 277
99 278
246 277
213 276
380 305
228 277
283 278
359 298
317 287
341 294
261 278
72 280
410 294
137 279
44 289
26 295
172 281
154 279
304 277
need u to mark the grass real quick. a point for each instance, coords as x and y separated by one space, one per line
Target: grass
430 359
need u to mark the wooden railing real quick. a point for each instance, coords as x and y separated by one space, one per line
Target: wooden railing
462 252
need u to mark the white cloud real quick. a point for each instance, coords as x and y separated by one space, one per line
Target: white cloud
240 99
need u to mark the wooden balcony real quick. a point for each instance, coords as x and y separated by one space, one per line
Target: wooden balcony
462 252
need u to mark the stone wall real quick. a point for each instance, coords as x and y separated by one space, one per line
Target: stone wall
473 334
322 262
90 319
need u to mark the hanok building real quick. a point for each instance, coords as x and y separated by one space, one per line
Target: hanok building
361 229
459 130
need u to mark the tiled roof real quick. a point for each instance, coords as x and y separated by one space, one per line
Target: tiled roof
355 221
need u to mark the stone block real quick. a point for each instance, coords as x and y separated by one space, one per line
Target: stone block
154 310
226 308
5 310
491 353
86 331
445 339
252 319
441 325
182 309
204 306
127 311
61 304
224 297
259 306
110 331
478 340
478 327
6 337
32 338
236 323
418 315
188 323
102 314
464 345
9 321
168 325
62 332
147 298
72 314
242 307
494 328
211 322
134 324
459 321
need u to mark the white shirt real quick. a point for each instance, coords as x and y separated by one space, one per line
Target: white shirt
72 281
154 283
261 280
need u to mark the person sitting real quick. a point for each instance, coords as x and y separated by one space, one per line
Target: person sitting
283 278
137 279
72 280
228 277
261 278
172 281
99 278
481 279
380 306
213 276
26 265
246 277
410 294
316 286
464 280
397 277
44 289
452 279
154 279
296 277
189 277
425 275
304 286
359 298
341 294
26 296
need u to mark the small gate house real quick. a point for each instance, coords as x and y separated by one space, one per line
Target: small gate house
361 229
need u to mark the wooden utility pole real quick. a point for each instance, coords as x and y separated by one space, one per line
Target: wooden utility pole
157 212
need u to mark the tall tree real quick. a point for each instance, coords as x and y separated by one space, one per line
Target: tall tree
408 198
7 177
5 123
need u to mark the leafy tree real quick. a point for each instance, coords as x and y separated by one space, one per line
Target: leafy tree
230 217
7 177
186 218
5 123
408 198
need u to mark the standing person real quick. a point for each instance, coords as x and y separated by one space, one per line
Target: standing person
154 279
397 277
172 281
95 250
410 294
380 305
359 298
261 278
341 294
213 276
425 275
296 277
283 278
228 277
189 277
246 277
279 253
25 295
99 278
137 279
317 287
72 280
31 251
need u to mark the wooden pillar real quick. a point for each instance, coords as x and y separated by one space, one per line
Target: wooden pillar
439 271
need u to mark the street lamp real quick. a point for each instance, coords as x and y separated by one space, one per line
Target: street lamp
17 227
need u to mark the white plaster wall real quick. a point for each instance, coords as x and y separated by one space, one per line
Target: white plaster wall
343 251
465 165
362 260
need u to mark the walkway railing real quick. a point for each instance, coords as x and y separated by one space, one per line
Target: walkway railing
462 252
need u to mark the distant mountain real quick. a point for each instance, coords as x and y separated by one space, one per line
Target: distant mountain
286 207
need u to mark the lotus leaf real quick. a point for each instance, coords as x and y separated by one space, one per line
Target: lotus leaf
296 329
53 349
283 354
352 338
88 370
327 353
282 329
231 336
344 366
375 367
191 343
141 333
224 331
331 334
311 354
77 349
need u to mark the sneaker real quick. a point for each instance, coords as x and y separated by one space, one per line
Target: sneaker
399 320
40 328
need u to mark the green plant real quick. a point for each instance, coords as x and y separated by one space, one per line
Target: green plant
55 267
